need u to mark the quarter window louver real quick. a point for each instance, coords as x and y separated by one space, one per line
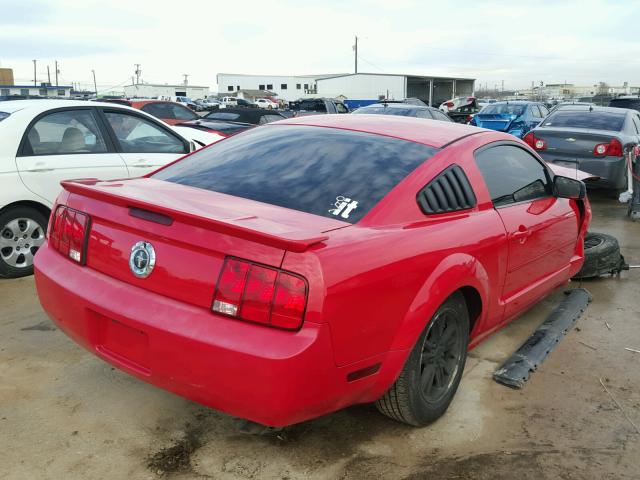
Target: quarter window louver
450 191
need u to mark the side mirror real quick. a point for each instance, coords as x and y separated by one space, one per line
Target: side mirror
565 187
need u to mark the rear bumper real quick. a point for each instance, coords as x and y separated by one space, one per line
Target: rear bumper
265 375
611 170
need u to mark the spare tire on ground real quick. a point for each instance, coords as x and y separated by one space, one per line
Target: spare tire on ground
601 256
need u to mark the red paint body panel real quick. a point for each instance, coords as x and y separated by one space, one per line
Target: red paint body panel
373 286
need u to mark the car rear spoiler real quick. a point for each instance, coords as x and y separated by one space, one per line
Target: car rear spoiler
294 241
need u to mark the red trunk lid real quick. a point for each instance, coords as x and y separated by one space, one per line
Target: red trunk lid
191 230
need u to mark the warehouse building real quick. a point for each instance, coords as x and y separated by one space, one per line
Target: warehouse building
151 90
285 87
356 88
364 88
44 90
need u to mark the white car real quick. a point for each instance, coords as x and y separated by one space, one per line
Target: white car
266 103
43 142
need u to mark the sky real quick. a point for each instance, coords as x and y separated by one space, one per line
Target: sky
575 41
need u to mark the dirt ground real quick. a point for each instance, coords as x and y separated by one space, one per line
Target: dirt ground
66 414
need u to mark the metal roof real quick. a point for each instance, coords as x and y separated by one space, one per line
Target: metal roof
398 75
48 87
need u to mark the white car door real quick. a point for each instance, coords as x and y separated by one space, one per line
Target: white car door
64 144
144 144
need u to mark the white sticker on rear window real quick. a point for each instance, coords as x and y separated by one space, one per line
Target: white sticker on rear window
343 206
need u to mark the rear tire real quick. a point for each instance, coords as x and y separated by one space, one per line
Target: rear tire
432 373
601 255
22 232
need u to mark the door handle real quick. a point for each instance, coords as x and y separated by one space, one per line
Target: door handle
522 234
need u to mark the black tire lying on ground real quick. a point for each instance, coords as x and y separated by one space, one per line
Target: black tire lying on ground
601 255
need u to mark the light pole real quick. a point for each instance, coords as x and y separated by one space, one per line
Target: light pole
35 82
95 85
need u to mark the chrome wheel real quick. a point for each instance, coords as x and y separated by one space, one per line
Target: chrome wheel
20 239
441 357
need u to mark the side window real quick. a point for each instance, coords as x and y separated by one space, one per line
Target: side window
179 112
438 115
341 108
636 123
158 110
543 110
535 111
137 135
420 113
512 175
268 119
63 133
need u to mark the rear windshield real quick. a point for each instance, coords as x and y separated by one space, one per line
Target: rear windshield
633 103
503 108
223 116
329 172
596 120
405 112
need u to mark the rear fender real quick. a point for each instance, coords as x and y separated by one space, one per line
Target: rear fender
454 272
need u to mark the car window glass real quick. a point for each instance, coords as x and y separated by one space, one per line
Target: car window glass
179 112
423 113
597 120
66 132
341 108
438 115
311 169
137 135
502 108
221 115
512 175
535 111
544 110
158 110
388 110
636 123
269 118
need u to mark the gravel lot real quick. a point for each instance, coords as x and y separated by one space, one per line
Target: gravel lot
66 414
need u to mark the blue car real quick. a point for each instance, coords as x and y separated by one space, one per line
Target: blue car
516 118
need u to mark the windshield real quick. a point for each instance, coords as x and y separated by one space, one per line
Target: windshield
502 108
382 110
329 172
229 116
596 120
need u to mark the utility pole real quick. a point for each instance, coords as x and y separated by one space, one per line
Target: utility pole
57 72
95 85
355 49
48 75
35 82
186 82
137 72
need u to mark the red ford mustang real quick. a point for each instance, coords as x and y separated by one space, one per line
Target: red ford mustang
314 263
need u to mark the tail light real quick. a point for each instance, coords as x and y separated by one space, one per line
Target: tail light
469 118
537 144
260 294
448 104
68 233
611 149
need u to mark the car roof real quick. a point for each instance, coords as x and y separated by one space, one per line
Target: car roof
594 108
400 105
515 102
139 103
43 105
434 133
247 111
